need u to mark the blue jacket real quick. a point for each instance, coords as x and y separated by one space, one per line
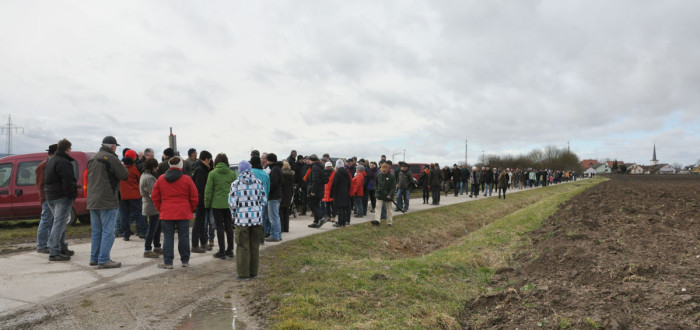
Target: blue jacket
263 177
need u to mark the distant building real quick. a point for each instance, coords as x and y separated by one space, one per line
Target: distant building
611 162
667 169
654 161
589 172
635 169
696 170
588 163
603 169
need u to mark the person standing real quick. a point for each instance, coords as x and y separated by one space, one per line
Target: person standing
164 165
130 204
424 183
475 178
502 183
488 181
316 189
457 178
200 176
175 197
446 176
216 198
386 188
404 183
288 177
105 171
434 178
327 200
264 177
60 190
357 192
340 193
148 209
191 159
46 222
274 199
464 187
246 201
372 184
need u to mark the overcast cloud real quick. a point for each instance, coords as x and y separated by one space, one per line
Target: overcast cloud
360 78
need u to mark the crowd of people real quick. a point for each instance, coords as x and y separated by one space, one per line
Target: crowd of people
247 207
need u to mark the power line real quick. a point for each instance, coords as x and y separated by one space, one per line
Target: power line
10 128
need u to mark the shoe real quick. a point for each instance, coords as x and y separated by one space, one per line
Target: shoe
358 216
230 253
372 210
396 210
220 255
375 222
337 225
109 264
211 242
44 250
150 254
126 238
159 251
198 249
267 235
209 247
142 236
68 252
185 264
314 225
93 263
320 223
242 278
59 257
270 239
165 266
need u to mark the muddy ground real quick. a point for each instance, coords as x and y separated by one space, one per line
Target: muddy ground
622 255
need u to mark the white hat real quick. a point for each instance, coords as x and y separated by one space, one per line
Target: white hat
339 163
178 165
329 164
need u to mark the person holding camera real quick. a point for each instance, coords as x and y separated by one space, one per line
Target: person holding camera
386 189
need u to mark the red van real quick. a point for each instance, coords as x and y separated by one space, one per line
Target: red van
19 196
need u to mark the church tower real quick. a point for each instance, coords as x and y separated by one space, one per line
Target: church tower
654 161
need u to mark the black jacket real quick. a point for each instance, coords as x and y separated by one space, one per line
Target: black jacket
340 188
275 181
434 177
316 185
488 176
456 174
201 173
287 188
59 178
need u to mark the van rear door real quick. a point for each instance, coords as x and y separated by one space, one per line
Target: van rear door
25 193
5 194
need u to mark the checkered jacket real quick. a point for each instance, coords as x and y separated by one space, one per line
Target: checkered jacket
247 200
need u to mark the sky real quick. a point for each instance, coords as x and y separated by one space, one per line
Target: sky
608 79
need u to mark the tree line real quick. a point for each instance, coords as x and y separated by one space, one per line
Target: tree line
550 157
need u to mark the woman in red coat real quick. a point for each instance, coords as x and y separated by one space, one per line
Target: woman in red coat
327 199
176 197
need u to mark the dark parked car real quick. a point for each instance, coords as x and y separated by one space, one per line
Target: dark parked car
19 196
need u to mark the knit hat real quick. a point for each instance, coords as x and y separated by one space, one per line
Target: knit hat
339 163
179 164
360 168
169 152
385 166
328 164
243 166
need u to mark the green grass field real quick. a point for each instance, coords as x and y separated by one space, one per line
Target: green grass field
418 274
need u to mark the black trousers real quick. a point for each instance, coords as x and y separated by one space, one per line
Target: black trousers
504 192
426 194
343 216
199 232
304 199
284 219
436 194
475 190
224 225
315 206
365 197
373 198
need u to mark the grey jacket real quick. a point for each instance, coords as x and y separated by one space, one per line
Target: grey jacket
148 180
105 171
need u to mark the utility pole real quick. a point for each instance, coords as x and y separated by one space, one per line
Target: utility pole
483 157
466 151
404 155
10 128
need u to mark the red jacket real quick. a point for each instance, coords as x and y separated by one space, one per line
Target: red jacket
327 193
39 174
129 188
357 182
175 195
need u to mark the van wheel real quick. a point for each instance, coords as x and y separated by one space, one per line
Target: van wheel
73 217
84 219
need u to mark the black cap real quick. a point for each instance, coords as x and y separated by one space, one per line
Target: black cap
169 152
110 140
52 149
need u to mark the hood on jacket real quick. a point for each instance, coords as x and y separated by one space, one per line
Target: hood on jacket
247 177
173 174
221 168
287 172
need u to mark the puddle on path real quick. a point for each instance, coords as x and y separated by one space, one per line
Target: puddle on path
212 314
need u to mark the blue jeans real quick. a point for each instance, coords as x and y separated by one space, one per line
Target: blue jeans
153 232
266 220
60 208
273 212
211 223
457 185
183 240
402 198
488 188
464 187
130 209
102 223
42 234
357 202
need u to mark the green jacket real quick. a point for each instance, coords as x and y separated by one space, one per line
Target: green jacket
386 185
105 172
218 186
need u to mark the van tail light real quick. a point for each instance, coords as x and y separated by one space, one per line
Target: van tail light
85 182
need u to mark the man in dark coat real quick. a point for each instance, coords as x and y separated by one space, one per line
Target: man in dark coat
340 193
457 178
316 188
200 174
46 222
164 166
274 198
60 189
434 179
386 189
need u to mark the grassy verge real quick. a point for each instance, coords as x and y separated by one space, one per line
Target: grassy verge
417 274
